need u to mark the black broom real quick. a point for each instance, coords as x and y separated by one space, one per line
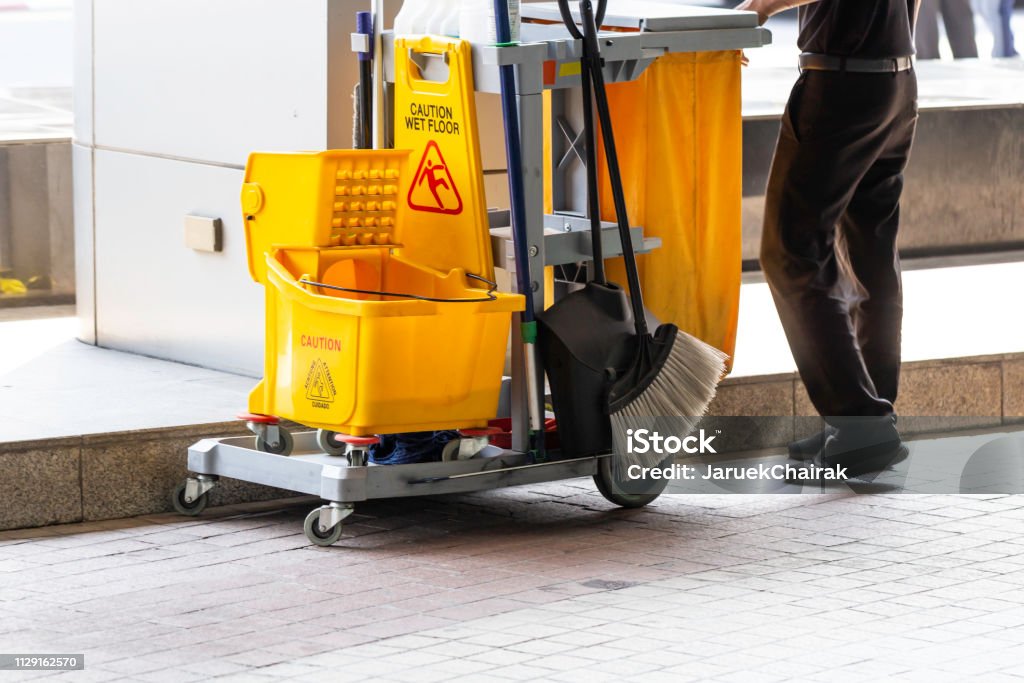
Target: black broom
672 374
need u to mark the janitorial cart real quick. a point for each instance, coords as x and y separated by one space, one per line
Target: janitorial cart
384 314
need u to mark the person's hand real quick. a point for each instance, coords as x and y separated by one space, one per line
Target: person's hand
753 6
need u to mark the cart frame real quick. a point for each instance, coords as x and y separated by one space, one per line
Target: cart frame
553 239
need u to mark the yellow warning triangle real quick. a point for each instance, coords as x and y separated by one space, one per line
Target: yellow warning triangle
317 386
433 188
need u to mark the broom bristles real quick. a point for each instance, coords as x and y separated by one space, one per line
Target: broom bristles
682 391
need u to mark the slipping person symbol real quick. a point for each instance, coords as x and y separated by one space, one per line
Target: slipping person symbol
430 175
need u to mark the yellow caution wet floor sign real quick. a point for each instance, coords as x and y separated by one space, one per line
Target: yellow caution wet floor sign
446 217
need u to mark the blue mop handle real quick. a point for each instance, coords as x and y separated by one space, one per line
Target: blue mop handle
517 200
364 25
513 151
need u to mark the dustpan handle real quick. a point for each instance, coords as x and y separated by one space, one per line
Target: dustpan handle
614 175
586 88
570 22
593 191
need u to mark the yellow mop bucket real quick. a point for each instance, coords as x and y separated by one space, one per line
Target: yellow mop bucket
373 325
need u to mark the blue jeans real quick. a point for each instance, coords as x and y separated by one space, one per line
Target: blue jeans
997 14
1005 14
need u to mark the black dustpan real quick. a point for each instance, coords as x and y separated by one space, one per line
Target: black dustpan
584 339
588 337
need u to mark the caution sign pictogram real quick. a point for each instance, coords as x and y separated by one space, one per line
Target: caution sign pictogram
319 384
433 188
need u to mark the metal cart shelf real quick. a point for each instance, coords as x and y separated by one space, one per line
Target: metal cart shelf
559 238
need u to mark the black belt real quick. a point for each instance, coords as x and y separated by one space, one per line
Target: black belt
810 61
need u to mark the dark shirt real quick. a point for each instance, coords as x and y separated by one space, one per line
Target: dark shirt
868 29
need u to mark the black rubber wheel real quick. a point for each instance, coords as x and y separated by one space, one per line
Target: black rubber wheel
327 442
619 492
190 509
283 447
312 529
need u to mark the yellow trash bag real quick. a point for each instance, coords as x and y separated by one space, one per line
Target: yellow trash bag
678 133
12 286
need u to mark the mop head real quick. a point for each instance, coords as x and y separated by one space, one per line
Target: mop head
670 385
356 116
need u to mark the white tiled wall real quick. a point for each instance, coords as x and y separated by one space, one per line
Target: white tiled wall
82 92
153 294
211 79
170 98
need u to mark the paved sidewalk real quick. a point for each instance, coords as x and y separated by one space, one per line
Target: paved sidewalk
545 582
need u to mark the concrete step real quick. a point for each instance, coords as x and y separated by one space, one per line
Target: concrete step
965 181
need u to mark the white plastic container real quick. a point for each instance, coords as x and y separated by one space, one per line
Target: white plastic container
452 19
403 22
444 19
476 21
414 16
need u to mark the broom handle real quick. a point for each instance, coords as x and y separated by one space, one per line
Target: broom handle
593 195
570 23
618 195
593 198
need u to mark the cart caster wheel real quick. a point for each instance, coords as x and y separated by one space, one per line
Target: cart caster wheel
329 443
317 536
283 446
356 448
357 458
627 494
188 508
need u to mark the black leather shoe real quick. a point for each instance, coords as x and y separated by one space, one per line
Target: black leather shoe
864 459
859 447
808 448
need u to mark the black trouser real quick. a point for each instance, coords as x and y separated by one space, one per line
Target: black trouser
828 249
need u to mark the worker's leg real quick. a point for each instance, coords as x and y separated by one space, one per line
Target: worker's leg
1005 16
877 306
926 34
989 11
866 246
958 19
834 128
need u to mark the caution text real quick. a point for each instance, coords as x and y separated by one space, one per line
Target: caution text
432 118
